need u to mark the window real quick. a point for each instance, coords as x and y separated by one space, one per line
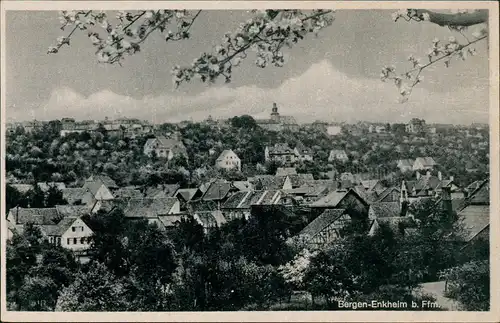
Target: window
58 241
75 241
69 241
82 240
73 229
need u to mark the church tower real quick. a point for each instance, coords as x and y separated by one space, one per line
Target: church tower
275 116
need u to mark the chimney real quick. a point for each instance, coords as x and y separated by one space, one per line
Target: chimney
440 176
452 178
418 175
446 199
428 174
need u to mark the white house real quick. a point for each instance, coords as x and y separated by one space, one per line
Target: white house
228 160
280 153
164 148
424 163
338 154
71 233
304 154
333 130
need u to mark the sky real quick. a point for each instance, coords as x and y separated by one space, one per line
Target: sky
332 77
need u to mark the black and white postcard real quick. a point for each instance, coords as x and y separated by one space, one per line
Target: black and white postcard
249 161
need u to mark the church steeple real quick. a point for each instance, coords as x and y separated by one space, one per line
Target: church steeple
274 114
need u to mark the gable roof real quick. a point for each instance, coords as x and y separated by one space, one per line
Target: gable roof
270 182
22 188
105 179
405 162
187 193
481 196
385 209
321 222
331 199
370 184
149 207
243 185
475 218
127 193
202 205
426 161
37 216
170 220
235 200
162 191
280 149
60 228
93 186
227 153
72 195
72 210
386 192
217 190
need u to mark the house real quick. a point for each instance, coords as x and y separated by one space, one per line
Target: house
209 220
428 186
98 190
164 148
338 155
228 160
239 204
333 130
376 186
326 228
218 192
61 225
424 163
71 233
77 195
297 180
343 199
307 194
37 216
391 194
278 122
281 153
161 191
303 153
154 210
186 195
127 193
270 182
384 210
405 165
415 126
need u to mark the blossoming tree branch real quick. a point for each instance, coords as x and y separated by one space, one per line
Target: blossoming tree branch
266 34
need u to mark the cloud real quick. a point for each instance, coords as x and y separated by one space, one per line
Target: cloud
321 93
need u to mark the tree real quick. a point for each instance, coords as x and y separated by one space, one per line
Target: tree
267 32
469 284
94 290
244 121
36 197
54 197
